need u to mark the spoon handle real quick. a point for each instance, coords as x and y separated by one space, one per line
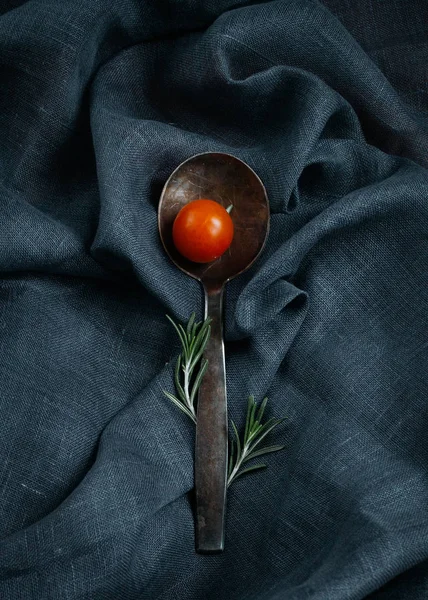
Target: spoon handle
211 435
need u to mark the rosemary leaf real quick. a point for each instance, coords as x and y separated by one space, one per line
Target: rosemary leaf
247 420
267 430
262 451
198 380
200 348
258 429
178 385
254 433
253 424
238 442
193 338
196 339
248 469
185 338
179 332
189 328
261 410
231 456
180 405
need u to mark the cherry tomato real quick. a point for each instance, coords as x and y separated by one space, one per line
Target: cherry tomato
202 230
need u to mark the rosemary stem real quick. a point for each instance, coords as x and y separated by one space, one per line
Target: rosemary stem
186 389
237 465
194 338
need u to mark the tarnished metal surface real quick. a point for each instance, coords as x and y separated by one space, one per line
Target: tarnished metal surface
227 180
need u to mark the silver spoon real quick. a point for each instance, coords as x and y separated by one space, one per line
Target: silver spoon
227 180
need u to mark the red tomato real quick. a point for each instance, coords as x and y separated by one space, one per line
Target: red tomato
202 231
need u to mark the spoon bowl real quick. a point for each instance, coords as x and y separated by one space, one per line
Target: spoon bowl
226 180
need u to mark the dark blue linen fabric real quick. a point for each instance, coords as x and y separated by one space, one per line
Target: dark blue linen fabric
99 101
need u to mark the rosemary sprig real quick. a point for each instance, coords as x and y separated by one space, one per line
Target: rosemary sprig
187 377
241 452
189 371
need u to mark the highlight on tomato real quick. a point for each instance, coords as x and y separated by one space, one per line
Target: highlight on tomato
203 230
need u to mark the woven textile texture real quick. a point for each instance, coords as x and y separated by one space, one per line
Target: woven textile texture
99 101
